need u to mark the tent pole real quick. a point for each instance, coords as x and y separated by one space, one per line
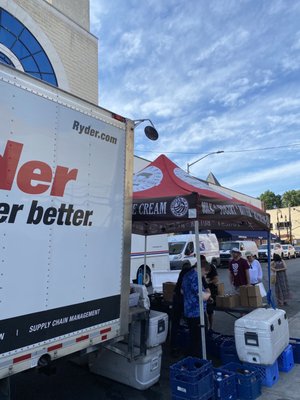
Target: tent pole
201 308
145 251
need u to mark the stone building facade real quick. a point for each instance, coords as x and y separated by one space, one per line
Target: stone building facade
51 40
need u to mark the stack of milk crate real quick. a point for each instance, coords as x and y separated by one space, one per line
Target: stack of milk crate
196 379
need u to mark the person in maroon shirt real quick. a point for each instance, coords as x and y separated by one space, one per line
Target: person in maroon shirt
238 270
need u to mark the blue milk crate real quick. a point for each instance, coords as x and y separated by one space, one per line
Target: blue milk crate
248 383
228 351
213 342
295 343
207 396
191 378
269 373
286 359
225 388
192 367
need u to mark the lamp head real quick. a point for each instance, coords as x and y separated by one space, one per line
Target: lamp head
150 131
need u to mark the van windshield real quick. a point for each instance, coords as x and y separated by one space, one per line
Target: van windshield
176 247
229 246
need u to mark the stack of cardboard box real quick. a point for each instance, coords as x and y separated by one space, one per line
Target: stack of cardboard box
168 291
250 296
228 301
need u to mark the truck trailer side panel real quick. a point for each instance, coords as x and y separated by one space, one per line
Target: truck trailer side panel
65 175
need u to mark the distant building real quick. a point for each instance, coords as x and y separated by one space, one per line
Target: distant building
285 223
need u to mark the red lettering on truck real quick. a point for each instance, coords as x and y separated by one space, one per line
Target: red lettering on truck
32 172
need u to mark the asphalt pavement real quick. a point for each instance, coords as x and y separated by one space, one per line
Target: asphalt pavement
71 381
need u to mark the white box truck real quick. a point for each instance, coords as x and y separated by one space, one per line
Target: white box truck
157 257
242 245
65 223
182 249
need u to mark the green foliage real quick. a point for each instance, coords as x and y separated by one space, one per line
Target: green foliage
271 200
291 198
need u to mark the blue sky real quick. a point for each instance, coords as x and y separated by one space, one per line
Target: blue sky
211 75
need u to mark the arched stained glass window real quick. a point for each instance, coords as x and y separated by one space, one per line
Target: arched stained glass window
19 40
5 60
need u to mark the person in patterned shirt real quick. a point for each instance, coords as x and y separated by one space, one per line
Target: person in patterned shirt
190 292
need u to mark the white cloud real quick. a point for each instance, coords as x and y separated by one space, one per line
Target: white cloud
210 75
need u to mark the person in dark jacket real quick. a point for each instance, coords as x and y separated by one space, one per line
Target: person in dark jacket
212 281
177 311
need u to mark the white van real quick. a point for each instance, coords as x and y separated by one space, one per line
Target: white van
182 250
242 245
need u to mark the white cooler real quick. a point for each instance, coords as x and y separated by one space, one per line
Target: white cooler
140 373
261 336
157 329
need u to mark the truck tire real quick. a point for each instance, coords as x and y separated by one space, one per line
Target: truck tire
148 280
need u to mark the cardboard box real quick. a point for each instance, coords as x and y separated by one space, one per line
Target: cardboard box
219 301
244 296
221 290
231 301
253 291
255 301
168 291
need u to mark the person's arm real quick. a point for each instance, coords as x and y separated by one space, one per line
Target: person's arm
230 276
215 280
206 295
260 273
247 276
284 265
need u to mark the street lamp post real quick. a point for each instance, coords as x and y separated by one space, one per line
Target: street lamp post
278 227
290 225
199 159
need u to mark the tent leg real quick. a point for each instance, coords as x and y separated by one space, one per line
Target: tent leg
145 261
201 308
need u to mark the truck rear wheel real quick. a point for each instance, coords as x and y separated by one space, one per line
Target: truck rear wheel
147 281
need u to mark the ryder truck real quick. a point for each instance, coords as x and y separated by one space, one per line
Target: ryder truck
65 184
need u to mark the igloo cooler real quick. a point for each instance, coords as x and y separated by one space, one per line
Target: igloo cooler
140 373
157 329
261 336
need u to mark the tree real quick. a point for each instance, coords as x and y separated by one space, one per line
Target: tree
291 198
270 200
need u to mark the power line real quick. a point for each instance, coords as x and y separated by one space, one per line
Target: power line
225 151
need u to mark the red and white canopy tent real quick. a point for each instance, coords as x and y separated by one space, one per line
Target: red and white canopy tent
166 199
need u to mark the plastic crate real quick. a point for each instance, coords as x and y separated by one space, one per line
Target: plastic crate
202 387
228 351
207 396
214 342
269 373
191 377
224 385
192 367
248 383
295 343
286 359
